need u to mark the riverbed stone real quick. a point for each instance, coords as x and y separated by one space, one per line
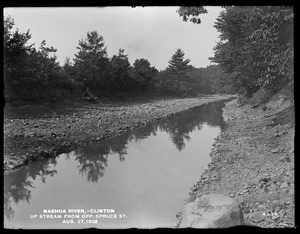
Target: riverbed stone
285 159
212 211
284 185
257 217
275 151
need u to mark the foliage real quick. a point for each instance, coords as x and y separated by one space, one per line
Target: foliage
143 74
120 67
15 52
211 79
91 63
28 72
177 69
256 46
191 13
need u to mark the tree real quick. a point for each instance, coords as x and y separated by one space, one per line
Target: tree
43 66
28 72
120 67
191 13
272 33
68 68
16 51
91 63
178 68
143 74
256 46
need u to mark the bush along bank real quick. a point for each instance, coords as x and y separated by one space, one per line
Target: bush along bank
253 162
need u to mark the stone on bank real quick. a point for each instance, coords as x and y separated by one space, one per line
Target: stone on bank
212 211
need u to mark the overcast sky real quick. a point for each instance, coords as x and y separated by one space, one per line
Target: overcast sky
154 33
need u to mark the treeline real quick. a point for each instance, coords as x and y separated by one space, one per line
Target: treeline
32 74
256 47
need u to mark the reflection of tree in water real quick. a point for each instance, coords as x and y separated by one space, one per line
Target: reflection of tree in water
144 132
18 185
93 158
212 113
181 125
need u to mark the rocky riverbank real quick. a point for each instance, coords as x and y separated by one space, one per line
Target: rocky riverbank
33 132
253 162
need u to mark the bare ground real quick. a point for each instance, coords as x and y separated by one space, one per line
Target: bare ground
38 131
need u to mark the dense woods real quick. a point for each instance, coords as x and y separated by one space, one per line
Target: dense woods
256 49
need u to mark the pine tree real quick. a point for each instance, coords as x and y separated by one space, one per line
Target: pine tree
91 62
178 68
177 63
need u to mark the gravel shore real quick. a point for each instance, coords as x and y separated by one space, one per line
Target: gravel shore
253 162
33 132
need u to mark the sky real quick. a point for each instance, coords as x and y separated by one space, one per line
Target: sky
153 33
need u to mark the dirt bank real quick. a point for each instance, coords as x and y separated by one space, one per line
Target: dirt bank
253 162
33 132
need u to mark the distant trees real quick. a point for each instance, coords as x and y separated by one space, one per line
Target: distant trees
174 78
32 74
211 79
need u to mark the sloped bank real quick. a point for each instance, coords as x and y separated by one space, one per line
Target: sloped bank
47 135
253 162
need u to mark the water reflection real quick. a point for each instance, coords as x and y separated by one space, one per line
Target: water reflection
17 187
180 126
93 159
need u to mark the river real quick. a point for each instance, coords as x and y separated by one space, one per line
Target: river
139 179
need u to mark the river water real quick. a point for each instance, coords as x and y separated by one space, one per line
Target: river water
139 179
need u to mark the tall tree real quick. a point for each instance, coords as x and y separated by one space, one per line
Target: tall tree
91 63
178 68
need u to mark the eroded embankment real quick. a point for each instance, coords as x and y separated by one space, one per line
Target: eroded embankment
253 162
52 133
